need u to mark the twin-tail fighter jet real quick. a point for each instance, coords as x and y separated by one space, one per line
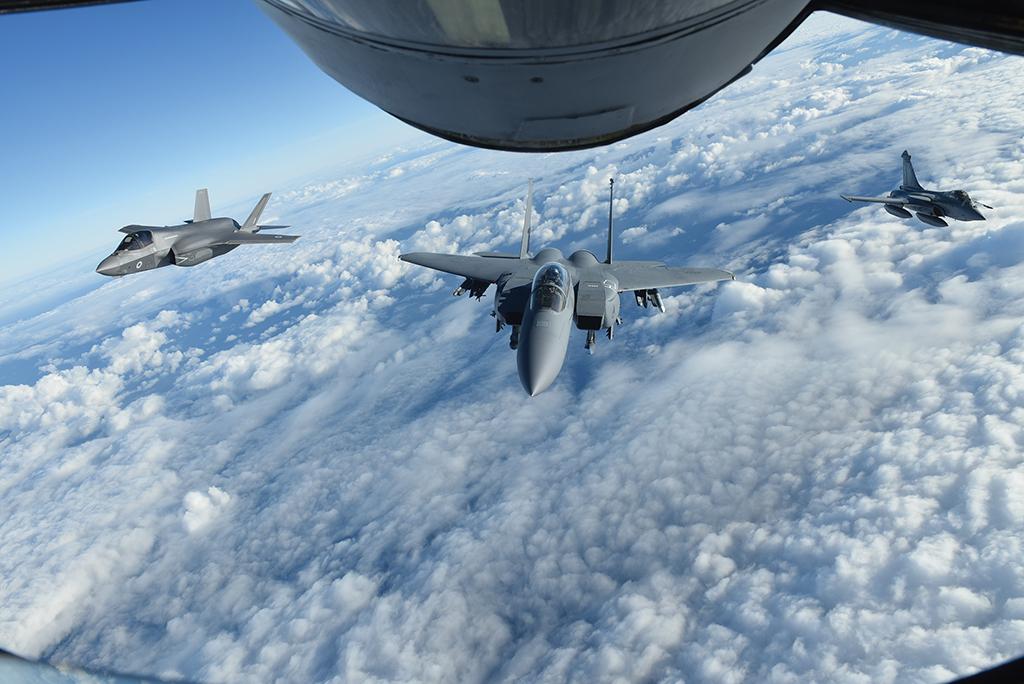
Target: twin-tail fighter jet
193 242
931 206
541 296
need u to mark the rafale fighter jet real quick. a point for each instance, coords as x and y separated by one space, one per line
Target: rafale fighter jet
543 295
929 205
193 242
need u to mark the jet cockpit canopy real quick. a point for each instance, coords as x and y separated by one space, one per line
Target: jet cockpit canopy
136 240
551 287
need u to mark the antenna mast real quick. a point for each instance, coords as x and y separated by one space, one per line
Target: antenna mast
611 193
524 246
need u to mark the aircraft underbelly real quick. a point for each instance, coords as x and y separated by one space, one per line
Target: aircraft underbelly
585 93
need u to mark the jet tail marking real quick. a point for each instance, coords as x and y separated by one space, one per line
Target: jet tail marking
250 223
909 177
524 246
202 209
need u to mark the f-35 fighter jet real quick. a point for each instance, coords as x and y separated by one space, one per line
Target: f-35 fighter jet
543 295
193 242
931 206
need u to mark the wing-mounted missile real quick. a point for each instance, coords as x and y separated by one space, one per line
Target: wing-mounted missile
655 298
649 297
475 288
898 212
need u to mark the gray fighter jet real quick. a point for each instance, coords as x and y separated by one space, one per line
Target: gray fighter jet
193 242
929 205
543 295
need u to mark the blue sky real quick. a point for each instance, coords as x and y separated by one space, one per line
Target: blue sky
116 114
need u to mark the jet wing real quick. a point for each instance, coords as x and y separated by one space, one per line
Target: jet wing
498 255
485 268
881 200
647 276
244 238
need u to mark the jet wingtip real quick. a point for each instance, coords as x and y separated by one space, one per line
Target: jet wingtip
412 257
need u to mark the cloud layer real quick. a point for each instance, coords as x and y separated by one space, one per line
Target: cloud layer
311 463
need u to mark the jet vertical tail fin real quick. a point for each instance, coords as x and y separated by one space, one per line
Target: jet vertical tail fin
909 178
202 209
250 223
524 246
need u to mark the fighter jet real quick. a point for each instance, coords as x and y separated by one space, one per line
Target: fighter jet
930 206
541 296
196 240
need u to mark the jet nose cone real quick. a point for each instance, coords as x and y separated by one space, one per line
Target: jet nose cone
108 266
538 366
976 215
537 380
